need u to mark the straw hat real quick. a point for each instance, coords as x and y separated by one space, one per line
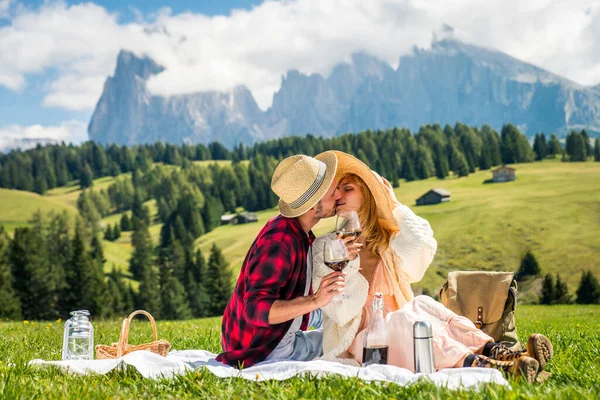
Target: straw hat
301 181
348 164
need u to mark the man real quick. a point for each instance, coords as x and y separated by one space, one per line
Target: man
268 315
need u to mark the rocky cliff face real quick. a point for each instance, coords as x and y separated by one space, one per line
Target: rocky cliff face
450 82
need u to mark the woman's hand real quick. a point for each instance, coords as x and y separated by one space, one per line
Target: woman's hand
330 286
352 245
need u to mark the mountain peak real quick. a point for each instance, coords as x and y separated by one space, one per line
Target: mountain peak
452 81
129 64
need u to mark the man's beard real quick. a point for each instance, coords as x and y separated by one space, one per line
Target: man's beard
319 214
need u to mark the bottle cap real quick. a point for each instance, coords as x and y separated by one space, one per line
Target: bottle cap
422 330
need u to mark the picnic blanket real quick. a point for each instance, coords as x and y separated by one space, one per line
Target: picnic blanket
153 366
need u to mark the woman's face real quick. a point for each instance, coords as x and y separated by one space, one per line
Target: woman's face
351 196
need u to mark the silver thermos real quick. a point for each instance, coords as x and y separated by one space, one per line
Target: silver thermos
423 346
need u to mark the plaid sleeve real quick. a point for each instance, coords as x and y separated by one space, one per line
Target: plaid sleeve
268 271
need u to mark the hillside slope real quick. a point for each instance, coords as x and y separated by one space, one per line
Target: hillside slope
552 209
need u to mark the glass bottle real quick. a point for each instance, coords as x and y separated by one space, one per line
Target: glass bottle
78 340
375 349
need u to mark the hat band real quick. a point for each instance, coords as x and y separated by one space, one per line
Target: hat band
312 189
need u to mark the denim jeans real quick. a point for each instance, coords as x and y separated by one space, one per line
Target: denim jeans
309 344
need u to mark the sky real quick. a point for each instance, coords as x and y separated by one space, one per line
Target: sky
55 55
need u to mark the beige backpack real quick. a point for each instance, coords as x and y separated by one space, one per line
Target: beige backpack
488 299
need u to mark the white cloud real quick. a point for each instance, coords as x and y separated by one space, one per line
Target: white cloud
16 136
256 47
4 6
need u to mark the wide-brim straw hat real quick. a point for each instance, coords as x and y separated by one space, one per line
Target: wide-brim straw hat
301 181
384 200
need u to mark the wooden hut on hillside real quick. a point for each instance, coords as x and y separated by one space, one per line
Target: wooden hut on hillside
434 196
241 218
503 174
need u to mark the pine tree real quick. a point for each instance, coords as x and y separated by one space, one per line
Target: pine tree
33 281
575 147
529 266
87 209
116 231
116 293
539 146
108 233
515 147
218 281
138 211
554 146
459 163
547 295
86 288
59 251
211 213
97 251
561 292
143 250
125 223
587 143
129 299
40 185
195 273
597 149
174 302
10 306
588 291
149 297
86 178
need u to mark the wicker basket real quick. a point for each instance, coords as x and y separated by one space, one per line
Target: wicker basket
117 350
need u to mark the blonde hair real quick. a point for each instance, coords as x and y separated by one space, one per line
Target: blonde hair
376 231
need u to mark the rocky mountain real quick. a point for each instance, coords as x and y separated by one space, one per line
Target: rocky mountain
452 81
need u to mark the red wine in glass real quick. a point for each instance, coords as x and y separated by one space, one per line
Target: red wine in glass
337 265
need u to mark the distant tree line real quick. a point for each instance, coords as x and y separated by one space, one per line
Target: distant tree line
395 153
555 290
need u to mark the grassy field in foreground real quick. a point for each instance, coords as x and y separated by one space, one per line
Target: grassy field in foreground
575 368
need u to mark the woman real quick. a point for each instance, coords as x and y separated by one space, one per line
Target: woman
398 247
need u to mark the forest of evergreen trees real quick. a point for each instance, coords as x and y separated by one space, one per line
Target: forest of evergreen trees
52 268
395 153
61 266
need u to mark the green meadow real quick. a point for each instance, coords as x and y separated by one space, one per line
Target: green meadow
575 367
552 209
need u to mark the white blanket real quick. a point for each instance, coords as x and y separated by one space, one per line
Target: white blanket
154 366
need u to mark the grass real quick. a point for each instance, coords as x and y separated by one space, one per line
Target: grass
18 207
220 163
552 209
70 193
572 329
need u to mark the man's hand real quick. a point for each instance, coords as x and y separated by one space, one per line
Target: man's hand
331 285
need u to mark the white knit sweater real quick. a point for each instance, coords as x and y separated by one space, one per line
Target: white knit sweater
410 253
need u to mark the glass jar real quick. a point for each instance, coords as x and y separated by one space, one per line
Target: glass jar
78 340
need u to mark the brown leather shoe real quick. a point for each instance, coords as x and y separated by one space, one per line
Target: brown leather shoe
524 366
540 348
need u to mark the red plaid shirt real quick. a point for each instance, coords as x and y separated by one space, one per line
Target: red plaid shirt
274 269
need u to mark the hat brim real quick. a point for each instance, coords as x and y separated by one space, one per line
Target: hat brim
331 164
348 164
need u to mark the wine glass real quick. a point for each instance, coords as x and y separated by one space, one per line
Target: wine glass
348 225
336 257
